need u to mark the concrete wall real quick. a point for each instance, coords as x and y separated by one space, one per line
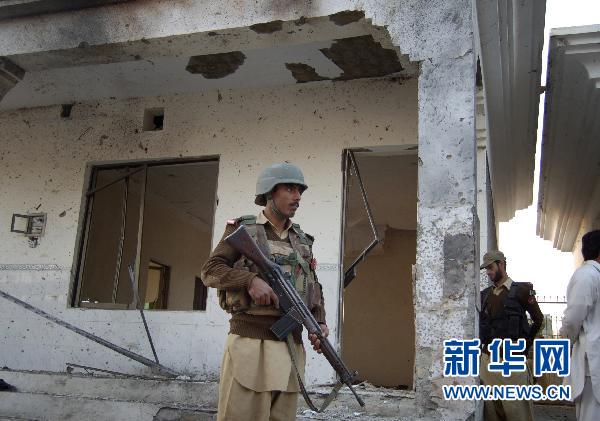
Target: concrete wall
44 162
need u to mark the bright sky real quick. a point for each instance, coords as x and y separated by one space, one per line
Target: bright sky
529 258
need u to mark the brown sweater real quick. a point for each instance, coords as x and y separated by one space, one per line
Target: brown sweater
528 302
218 272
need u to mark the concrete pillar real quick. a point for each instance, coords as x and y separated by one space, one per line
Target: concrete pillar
447 280
10 75
485 204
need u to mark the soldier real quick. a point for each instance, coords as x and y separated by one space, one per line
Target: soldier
503 315
258 379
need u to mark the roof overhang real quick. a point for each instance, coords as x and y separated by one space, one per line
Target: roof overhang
569 196
511 37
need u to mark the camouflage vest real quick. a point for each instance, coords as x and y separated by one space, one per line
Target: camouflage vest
295 259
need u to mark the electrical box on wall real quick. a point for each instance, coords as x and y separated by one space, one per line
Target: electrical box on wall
31 225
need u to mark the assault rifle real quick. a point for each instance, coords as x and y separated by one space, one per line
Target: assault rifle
295 312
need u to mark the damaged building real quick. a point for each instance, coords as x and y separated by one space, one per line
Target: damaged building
132 131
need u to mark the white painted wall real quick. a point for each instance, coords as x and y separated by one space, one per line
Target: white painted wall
43 165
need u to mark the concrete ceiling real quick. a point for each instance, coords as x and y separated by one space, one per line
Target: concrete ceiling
569 195
340 47
511 35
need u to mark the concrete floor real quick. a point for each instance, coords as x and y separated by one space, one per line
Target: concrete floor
380 403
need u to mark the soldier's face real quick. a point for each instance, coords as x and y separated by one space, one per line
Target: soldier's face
494 272
287 198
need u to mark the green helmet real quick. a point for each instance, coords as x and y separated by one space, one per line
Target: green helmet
281 173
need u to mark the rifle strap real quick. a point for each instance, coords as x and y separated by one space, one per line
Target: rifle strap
311 405
292 349
261 240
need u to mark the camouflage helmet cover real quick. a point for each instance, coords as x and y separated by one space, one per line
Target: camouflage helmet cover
280 173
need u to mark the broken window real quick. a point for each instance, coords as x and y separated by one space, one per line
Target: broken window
157 217
380 203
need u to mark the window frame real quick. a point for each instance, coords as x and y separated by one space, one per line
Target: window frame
86 212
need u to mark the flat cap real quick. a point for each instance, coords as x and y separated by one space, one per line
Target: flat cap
491 257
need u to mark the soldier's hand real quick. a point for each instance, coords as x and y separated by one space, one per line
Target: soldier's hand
261 293
324 329
314 340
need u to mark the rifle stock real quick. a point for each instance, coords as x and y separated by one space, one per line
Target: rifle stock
295 311
241 240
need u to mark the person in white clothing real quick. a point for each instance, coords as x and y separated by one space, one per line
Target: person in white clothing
581 324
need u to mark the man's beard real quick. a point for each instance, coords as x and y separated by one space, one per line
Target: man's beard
497 277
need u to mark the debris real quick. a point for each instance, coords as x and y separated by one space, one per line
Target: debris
62 214
309 412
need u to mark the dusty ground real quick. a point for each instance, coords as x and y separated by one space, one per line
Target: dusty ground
380 404
389 404
554 413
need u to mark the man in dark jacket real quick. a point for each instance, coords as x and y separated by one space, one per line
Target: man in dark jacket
504 308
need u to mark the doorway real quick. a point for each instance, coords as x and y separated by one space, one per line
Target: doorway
379 251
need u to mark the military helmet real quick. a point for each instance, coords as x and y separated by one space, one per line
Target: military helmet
280 173
491 257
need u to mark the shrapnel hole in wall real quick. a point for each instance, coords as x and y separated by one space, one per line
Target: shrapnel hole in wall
65 110
153 119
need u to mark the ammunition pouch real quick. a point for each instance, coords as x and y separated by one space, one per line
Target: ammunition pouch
294 259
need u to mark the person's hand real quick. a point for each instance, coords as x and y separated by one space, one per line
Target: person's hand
261 293
314 340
